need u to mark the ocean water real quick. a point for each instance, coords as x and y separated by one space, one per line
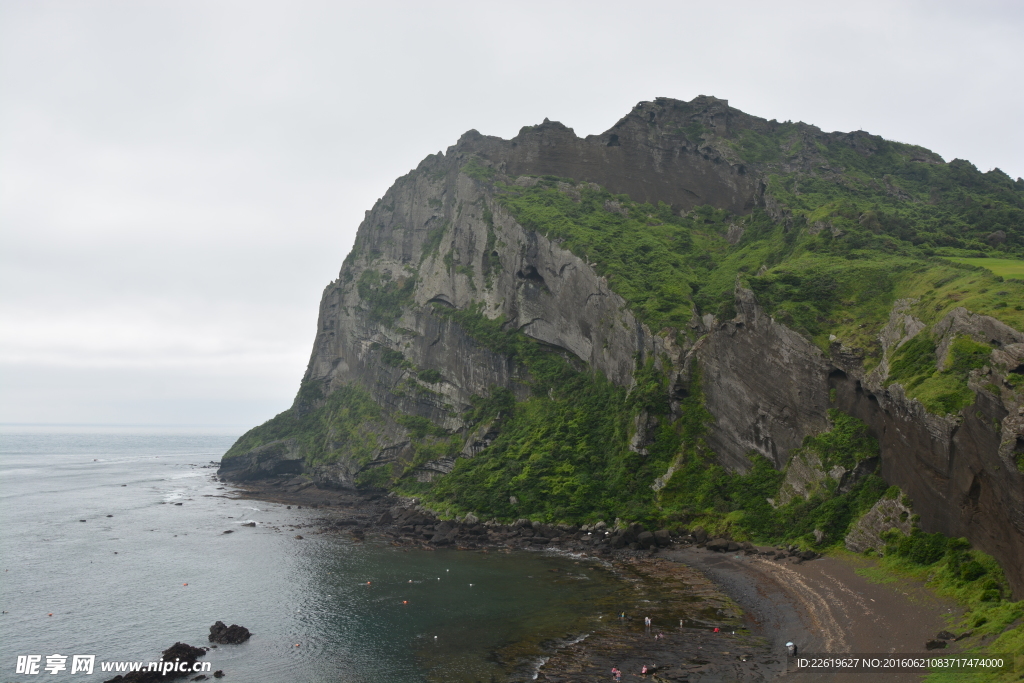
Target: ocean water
142 572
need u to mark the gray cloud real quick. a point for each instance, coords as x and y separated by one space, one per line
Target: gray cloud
179 180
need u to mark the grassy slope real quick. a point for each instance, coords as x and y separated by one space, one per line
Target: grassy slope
1003 267
885 193
819 283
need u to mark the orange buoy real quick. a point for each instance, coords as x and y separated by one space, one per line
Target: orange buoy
405 602
50 614
184 584
296 644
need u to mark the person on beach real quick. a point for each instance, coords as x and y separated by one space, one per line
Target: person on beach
791 648
616 674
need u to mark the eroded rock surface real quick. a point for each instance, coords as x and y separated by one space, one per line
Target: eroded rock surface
886 514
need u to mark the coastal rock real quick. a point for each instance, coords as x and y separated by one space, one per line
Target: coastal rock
228 635
273 459
444 534
182 654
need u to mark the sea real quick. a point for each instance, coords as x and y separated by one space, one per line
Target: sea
113 545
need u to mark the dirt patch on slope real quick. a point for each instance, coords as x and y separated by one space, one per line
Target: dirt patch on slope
825 606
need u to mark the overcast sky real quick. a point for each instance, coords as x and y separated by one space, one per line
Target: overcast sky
179 180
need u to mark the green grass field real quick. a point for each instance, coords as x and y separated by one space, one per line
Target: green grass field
1007 267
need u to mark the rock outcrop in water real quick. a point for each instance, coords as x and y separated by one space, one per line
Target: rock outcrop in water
228 635
403 357
180 656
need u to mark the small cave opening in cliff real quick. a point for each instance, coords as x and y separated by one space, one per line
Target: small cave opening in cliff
441 300
530 274
836 379
679 391
613 140
974 493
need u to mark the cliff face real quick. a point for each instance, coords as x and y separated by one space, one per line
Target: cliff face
441 249
768 387
960 470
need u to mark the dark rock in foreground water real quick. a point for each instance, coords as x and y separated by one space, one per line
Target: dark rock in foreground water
183 655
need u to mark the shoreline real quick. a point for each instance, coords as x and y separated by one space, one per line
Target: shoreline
822 605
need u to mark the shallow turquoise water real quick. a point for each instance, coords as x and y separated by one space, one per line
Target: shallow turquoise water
116 585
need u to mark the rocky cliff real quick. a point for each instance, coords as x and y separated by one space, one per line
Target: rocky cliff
672 272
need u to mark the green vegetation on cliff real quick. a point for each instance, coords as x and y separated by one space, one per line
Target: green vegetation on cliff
702 492
886 193
570 453
345 422
651 256
386 297
564 452
914 366
836 277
